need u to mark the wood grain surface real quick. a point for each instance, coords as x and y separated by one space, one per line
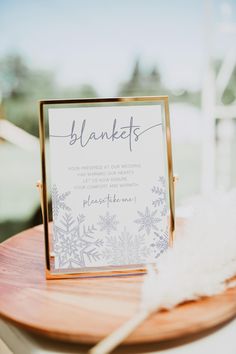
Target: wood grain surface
87 310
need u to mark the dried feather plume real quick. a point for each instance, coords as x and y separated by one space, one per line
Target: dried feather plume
202 260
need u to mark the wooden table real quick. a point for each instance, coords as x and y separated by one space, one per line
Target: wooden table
83 311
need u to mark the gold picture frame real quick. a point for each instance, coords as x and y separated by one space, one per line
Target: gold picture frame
44 105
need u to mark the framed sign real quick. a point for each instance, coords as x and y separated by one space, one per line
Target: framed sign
107 164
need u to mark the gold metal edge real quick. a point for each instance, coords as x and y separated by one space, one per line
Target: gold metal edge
95 274
170 172
44 185
104 100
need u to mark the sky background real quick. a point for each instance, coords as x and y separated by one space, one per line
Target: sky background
97 41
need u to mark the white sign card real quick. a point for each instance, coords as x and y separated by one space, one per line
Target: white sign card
110 183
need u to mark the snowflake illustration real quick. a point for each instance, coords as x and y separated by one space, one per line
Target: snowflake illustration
108 223
161 241
147 220
125 249
58 201
75 244
161 196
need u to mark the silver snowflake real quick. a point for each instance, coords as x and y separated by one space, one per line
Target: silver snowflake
147 220
58 201
161 196
108 223
161 242
75 244
125 249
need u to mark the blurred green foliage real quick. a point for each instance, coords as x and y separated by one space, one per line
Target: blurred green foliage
22 86
149 83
